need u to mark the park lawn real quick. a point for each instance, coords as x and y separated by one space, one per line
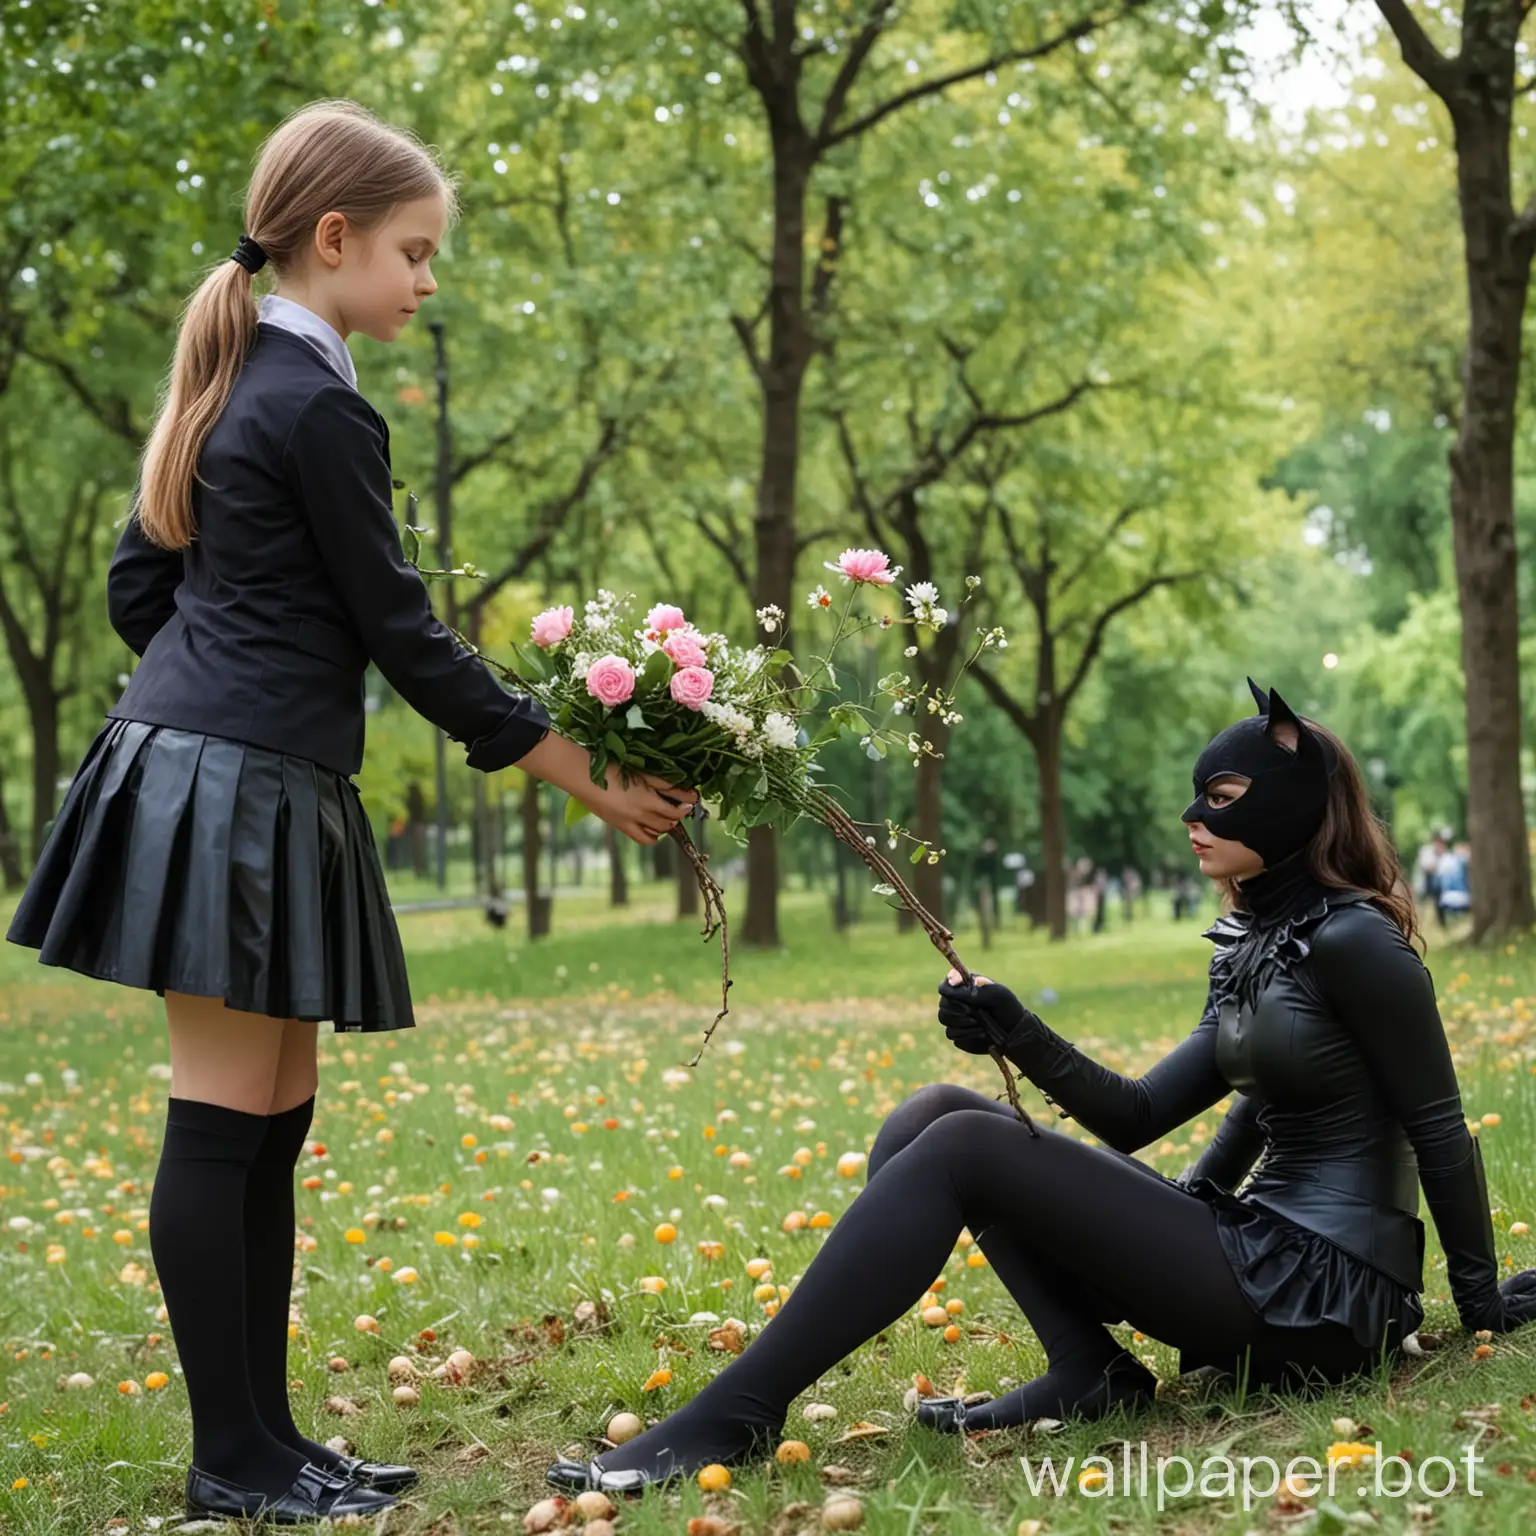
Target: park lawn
517 1153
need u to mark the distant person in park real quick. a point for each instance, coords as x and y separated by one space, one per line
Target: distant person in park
1320 1014
1453 893
213 846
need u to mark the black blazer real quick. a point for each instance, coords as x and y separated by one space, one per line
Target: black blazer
262 628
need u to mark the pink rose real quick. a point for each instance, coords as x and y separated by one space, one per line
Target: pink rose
551 626
691 686
611 680
663 617
684 648
872 565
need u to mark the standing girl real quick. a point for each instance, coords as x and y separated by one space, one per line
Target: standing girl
212 845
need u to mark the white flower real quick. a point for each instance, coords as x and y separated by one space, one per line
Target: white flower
779 731
752 746
911 650
940 617
597 623
883 889
914 746
770 617
920 594
820 598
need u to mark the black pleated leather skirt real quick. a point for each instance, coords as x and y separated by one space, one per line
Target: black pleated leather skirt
189 863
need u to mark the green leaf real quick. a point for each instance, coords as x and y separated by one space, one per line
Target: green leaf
615 744
574 810
656 673
410 541
918 855
635 719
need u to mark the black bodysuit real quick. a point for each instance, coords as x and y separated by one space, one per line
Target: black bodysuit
1325 1020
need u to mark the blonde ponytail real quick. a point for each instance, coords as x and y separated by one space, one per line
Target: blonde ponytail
217 330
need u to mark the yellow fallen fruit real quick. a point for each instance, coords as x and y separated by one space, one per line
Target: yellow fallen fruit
131 1388
935 1317
849 1166
976 1259
796 1221
657 1378
715 1478
654 1284
1520 1229
156 1381
1349 1453
366 1324
665 1233
792 1451
765 1292
955 1307
952 1335
1091 1477
821 1220
757 1268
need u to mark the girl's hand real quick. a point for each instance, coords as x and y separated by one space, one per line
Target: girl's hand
644 811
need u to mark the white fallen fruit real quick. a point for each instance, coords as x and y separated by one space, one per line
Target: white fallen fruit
593 1505
545 1516
401 1368
79 1381
406 1396
820 1413
624 1426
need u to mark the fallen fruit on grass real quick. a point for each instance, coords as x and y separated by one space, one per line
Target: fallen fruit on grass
711 1525
406 1396
156 1380
79 1381
338 1364
343 1407
714 1478
665 1233
545 1516
366 1324
593 1505
657 1378
624 1426
935 1317
757 1268
840 1513
791 1452
401 1368
849 1165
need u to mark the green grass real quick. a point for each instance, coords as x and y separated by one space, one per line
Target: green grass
594 1024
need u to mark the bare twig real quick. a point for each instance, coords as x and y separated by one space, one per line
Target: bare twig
714 921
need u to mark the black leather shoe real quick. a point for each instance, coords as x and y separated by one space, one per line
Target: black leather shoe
315 1495
579 1476
945 1414
380 1475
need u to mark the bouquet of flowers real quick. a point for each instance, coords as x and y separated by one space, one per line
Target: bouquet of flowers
661 697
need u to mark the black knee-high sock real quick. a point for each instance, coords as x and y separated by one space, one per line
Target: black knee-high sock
269 1233
197 1239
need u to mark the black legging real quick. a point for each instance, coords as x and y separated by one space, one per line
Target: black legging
1081 1236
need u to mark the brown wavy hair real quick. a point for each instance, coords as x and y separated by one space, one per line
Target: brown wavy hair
1352 850
331 156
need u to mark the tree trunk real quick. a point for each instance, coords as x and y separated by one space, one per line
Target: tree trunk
618 875
43 711
663 858
928 816
10 852
537 905
1053 834
782 376
1483 531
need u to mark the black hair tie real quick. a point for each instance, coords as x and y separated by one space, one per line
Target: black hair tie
249 254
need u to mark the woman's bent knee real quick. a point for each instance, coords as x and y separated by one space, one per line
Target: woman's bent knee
913 1116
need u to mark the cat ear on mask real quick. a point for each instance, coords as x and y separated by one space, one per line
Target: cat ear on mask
1308 743
1260 697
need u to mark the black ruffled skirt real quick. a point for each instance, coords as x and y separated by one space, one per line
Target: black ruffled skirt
1295 1278
190 863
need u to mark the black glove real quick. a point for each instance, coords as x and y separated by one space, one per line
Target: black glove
984 1018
